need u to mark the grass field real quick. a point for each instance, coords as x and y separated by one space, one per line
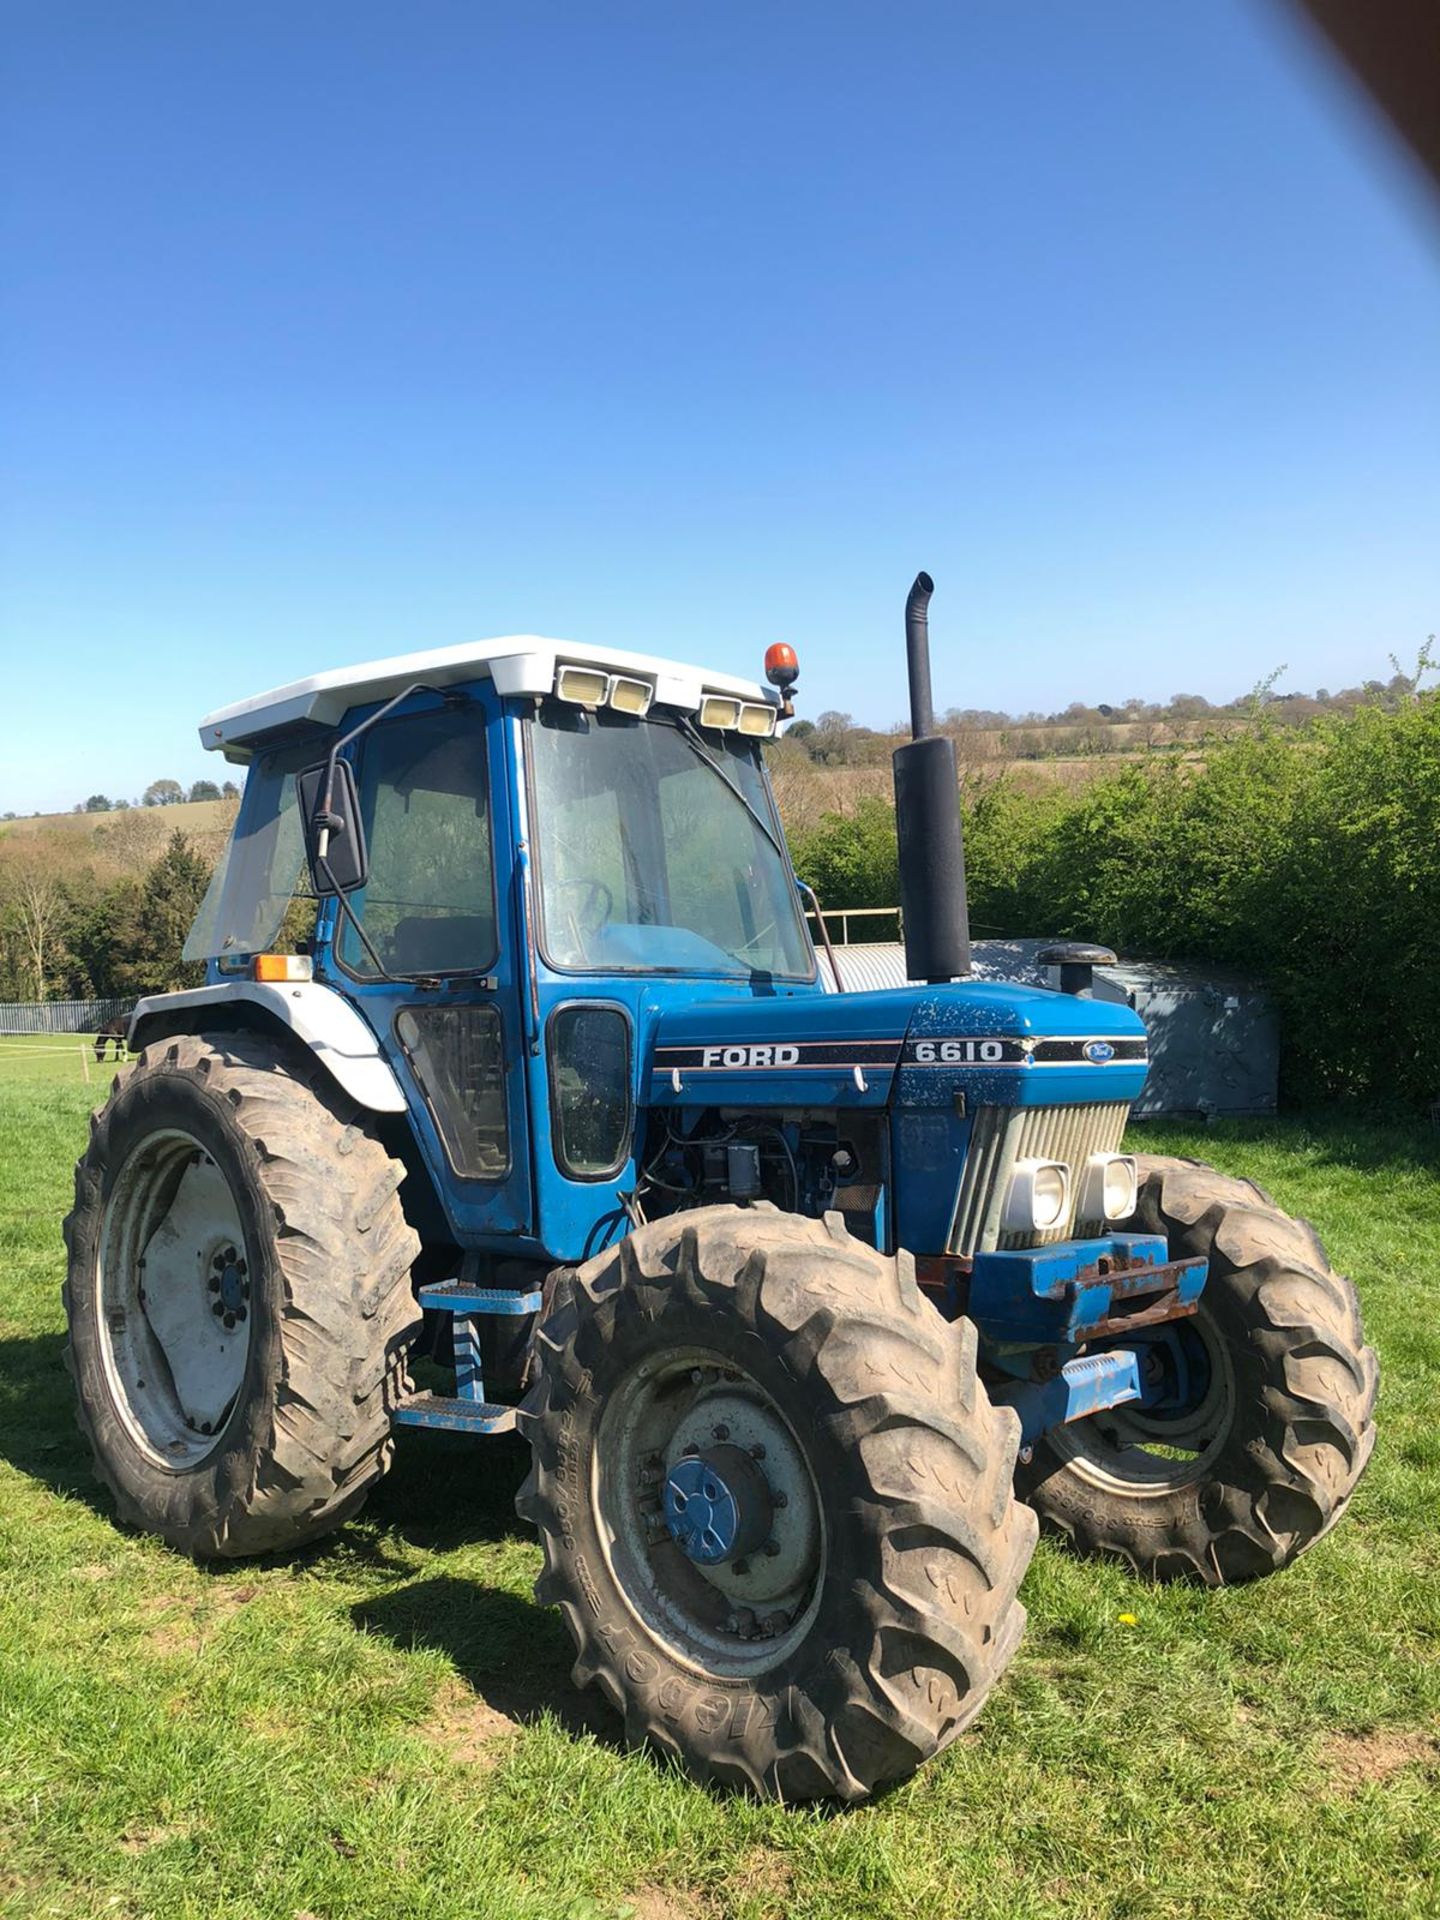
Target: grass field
383 1726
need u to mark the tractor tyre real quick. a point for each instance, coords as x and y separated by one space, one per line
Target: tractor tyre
1258 1459
776 1505
238 1296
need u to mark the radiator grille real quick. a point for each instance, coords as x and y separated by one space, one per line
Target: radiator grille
999 1136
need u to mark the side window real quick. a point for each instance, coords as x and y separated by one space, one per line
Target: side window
429 904
589 1050
456 1055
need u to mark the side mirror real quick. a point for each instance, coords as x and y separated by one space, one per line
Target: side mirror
334 839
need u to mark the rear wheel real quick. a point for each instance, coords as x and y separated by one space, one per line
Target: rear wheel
775 1502
238 1297
1264 1412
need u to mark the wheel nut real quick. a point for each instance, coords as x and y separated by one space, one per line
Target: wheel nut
214 1283
229 1321
218 1308
239 1313
772 1547
779 1499
741 1567
757 1452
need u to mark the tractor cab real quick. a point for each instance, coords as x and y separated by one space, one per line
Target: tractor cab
535 854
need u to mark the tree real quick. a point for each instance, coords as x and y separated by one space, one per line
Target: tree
831 739
131 939
40 904
204 790
163 793
1191 706
230 791
97 803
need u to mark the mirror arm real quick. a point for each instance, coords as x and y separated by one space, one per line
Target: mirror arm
350 914
326 820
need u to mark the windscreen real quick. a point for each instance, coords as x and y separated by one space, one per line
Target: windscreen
650 859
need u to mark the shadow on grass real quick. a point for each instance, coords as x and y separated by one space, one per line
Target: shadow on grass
445 1490
440 1493
513 1655
38 1434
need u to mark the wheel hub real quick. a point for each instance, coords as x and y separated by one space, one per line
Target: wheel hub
711 1509
717 1505
230 1284
175 1292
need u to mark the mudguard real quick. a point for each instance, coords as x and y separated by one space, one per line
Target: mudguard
318 1016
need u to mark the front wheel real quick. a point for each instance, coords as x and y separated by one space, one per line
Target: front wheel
775 1502
1263 1415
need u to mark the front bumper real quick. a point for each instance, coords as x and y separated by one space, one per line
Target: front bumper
1035 1307
1080 1290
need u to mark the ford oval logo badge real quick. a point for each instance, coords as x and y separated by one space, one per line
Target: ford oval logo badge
1099 1051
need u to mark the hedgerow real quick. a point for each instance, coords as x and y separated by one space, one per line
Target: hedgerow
1309 860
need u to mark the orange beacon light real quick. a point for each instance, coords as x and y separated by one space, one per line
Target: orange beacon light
782 669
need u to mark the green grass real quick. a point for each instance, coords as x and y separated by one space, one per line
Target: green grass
384 1726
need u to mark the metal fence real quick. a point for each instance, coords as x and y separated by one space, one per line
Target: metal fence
885 923
60 1016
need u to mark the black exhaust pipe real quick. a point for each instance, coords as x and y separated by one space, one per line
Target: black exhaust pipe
917 656
927 820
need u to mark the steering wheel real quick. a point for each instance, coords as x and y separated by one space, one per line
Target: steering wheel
594 894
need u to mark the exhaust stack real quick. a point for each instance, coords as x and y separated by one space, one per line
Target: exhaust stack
927 820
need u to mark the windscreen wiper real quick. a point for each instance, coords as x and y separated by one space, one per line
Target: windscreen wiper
688 728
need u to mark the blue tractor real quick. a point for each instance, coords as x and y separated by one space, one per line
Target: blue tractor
810 1304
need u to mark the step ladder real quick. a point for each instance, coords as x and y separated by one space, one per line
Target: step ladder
467 1410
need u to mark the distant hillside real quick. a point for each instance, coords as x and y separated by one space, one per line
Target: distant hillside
195 818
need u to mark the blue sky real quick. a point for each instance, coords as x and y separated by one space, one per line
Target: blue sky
331 330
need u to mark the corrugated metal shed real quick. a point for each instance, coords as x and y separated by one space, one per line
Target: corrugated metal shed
1214 1040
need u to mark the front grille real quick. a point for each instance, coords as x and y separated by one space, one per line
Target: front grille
999 1136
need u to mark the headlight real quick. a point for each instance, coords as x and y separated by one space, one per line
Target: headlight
1038 1196
582 685
1109 1187
588 687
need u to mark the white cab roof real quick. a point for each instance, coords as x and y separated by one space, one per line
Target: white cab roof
519 663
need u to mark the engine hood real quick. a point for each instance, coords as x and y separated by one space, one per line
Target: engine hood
997 1043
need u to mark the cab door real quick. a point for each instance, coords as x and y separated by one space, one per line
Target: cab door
435 805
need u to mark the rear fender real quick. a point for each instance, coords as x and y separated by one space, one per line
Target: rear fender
318 1017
